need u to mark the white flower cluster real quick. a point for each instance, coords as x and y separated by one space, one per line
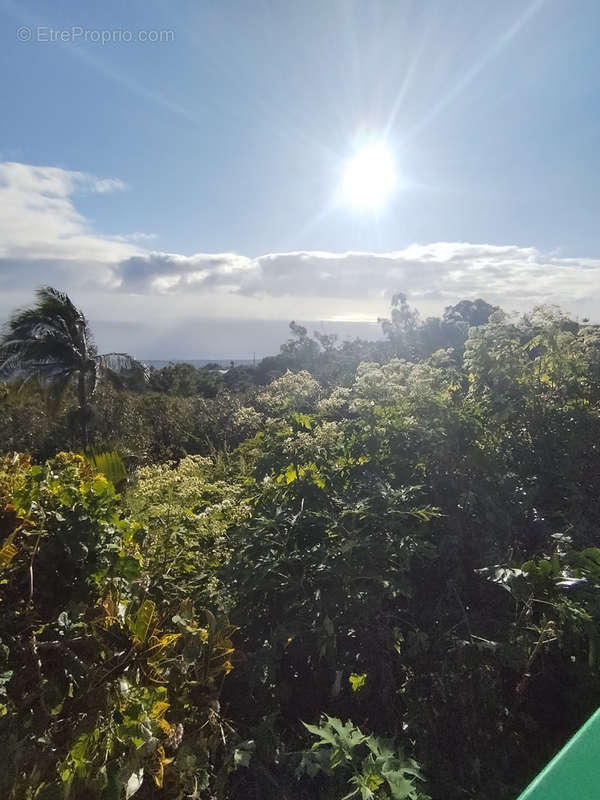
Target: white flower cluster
248 419
294 391
336 404
322 441
187 495
380 384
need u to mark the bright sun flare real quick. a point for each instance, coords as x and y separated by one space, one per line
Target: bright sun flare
369 177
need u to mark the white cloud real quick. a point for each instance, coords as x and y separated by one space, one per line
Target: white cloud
105 185
38 219
438 273
45 239
169 273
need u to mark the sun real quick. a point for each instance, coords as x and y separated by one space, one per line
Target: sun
369 177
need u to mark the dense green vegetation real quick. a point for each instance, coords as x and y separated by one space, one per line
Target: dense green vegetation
361 569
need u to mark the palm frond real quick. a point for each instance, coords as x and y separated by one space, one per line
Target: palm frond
54 317
109 463
39 350
120 362
49 340
123 371
10 366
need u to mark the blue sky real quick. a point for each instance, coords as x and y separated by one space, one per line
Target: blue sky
231 137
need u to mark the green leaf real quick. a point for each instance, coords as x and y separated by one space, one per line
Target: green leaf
357 681
303 420
290 474
101 487
128 567
400 787
144 620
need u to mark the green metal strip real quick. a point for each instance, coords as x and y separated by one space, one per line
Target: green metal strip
574 773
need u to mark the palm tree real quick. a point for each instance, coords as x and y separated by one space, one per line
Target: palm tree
51 341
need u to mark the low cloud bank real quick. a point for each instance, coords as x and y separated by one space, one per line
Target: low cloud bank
118 278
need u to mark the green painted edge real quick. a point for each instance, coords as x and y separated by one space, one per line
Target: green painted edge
595 718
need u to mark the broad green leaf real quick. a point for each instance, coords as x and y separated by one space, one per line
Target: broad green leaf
144 621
